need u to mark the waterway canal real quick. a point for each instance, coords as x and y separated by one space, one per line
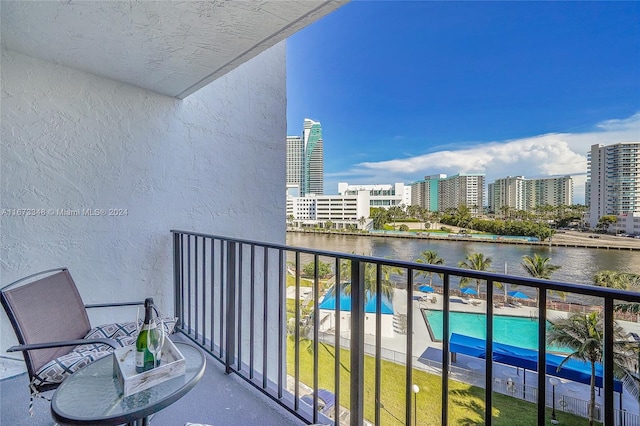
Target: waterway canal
577 265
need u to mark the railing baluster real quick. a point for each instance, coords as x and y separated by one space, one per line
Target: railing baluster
281 320
542 354
357 343
221 344
488 418
196 258
212 296
316 327
378 342
252 309
445 348
296 356
409 349
189 284
338 364
608 361
265 304
239 304
231 307
204 290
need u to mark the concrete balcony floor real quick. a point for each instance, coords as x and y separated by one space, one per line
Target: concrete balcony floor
218 399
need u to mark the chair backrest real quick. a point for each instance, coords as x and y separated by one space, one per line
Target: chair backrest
48 309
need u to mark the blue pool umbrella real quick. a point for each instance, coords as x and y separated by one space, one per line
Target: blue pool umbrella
468 291
426 288
518 295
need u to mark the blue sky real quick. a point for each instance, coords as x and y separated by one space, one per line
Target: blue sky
408 89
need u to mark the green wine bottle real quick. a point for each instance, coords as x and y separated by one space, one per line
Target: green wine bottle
144 358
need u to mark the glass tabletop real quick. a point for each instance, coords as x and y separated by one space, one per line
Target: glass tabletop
92 395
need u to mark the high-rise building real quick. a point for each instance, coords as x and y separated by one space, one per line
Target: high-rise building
552 191
461 190
519 193
613 184
305 159
295 162
424 193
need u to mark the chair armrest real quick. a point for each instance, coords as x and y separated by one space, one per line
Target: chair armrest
47 345
110 305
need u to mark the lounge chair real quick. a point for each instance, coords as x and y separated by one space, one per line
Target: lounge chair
53 329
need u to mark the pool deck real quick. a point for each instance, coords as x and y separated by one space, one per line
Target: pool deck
422 341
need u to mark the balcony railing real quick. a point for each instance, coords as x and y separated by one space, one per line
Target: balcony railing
231 299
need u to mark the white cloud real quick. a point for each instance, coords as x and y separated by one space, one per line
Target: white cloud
539 156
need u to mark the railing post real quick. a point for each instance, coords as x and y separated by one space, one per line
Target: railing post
177 273
357 343
230 328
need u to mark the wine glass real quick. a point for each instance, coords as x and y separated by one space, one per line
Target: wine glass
155 341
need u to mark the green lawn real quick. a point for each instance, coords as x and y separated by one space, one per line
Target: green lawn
305 282
466 402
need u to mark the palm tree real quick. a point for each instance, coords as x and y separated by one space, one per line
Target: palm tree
370 279
615 279
362 221
584 334
621 281
477 262
539 267
429 257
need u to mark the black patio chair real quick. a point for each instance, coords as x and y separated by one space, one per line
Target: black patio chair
52 326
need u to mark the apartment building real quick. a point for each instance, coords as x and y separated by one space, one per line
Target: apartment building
461 190
520 193
295 161
424 193
613 185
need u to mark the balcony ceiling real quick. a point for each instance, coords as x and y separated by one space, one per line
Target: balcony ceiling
172 48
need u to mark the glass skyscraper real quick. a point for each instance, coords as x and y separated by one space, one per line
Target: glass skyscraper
305 159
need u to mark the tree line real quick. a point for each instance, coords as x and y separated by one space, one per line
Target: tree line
538 223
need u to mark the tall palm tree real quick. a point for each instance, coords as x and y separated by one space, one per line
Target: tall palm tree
429 257
584 335
477 262
539 267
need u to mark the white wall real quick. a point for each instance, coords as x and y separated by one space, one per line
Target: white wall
213 163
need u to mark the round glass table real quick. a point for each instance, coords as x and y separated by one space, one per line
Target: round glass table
92 395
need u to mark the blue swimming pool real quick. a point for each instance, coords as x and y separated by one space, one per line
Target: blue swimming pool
509 330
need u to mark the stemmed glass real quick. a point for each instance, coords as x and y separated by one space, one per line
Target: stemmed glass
155 341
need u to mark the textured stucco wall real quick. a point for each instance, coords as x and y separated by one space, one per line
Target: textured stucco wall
213 163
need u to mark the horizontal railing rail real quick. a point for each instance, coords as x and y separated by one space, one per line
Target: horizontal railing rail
248 304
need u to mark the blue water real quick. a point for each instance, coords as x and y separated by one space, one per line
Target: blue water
509 330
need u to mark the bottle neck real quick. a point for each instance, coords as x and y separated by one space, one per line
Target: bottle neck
148 315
